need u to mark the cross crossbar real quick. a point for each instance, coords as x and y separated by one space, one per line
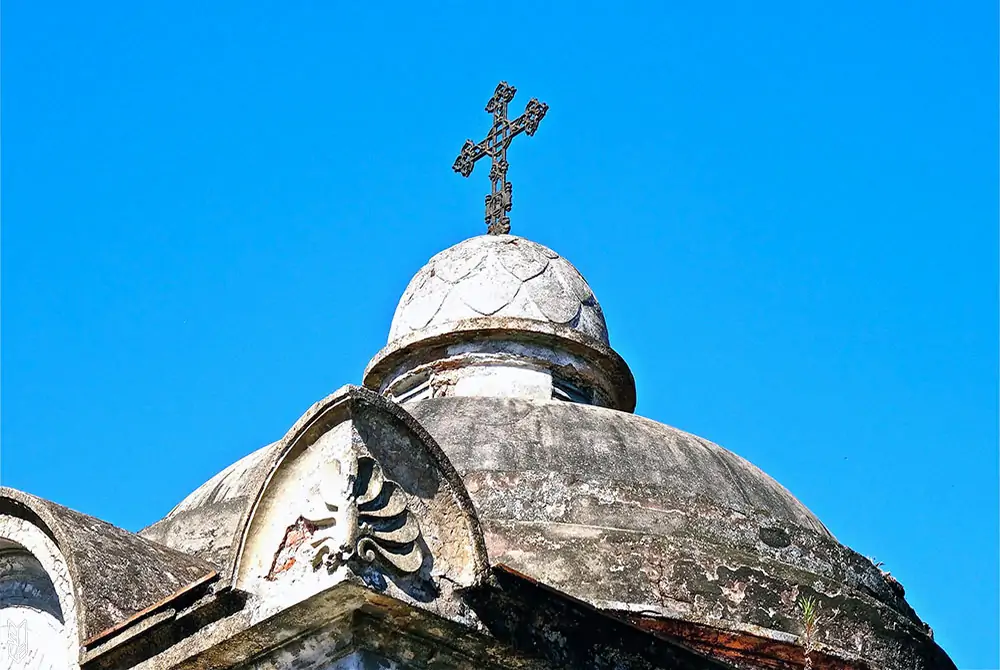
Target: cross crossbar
494 145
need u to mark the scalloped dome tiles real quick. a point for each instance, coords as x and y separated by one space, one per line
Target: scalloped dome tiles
498 276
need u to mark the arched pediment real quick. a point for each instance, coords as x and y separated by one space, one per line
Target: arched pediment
359 491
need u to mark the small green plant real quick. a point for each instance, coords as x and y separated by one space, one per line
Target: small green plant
810 620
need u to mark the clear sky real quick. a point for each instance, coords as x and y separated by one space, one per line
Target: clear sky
787 210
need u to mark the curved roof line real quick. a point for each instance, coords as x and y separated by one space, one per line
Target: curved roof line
313 419
116 576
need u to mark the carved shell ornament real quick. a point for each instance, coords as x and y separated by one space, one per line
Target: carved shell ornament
380 526
367 520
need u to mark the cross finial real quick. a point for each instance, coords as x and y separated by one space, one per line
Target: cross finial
498 202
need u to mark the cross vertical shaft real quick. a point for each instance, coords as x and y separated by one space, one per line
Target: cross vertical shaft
499 137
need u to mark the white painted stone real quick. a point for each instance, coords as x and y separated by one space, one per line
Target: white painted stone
330 511
497 275
504 381
31 639
489 288
523 259
554 296
300 489
37 599
426 293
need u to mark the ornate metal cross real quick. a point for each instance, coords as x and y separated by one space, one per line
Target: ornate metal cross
498 202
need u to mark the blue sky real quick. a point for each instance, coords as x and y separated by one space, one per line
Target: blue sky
787 210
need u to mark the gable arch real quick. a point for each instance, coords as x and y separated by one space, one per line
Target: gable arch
357 489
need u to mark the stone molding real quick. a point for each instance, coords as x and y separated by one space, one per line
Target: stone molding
599 365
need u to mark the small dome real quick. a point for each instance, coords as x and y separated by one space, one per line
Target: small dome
498 276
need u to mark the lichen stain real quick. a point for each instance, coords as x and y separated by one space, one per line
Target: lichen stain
736 593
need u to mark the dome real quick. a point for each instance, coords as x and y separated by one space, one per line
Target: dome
500 316
640 520
500 276
657 525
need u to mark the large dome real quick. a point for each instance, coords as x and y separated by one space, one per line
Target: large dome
640 520
499 352
500 276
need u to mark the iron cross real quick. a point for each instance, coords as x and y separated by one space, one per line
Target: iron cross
498 202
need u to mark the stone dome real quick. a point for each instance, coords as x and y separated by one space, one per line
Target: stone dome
500 276
640 520
501 316
499 353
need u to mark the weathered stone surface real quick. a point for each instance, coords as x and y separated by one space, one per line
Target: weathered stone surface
114 574
524 626
567 633
223 509
642 519
37 604
490 435
208 522
358 488
485 525
468 349
500 276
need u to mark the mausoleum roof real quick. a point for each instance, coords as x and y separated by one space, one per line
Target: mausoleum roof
487 494
630 515
635 517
